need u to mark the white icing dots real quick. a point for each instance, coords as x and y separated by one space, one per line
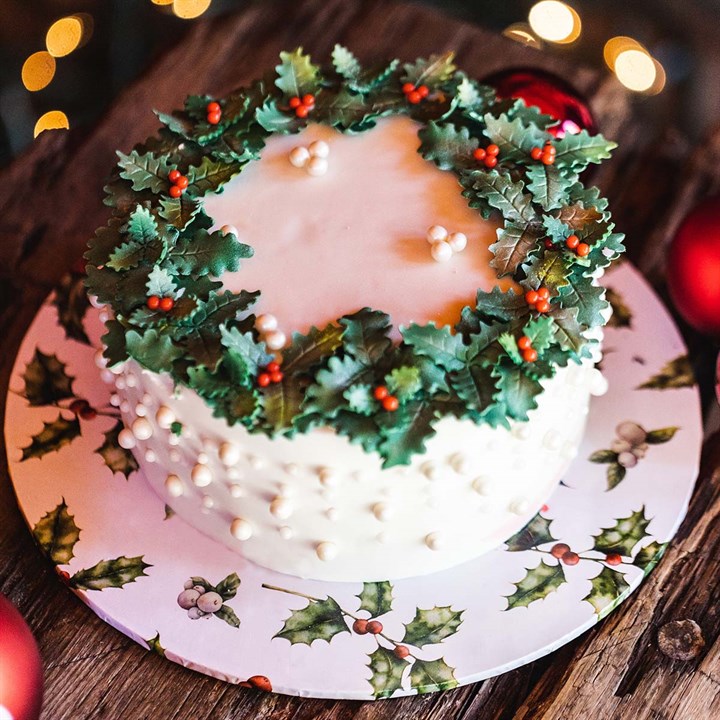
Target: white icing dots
266 323
131 380
482 485
281 507
313 158
521 431
100 359
164 417
444 245
434 541
598 383
276 340
229 454
328 478
382 511
140 410
459 463
331 514
106 376
286 532
430 470
207 502
241 529
150 456
174 486
292 469
126 439
201 475
299 156
202 458
551 440
229 230
236 491
519 506
174 456
326 550
256 463
173 439
142 429
147 399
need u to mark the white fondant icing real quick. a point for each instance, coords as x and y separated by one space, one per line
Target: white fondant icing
519 506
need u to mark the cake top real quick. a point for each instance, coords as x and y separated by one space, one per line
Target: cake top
162 267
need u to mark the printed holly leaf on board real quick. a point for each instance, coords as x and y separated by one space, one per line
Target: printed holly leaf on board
431 71
624 535
615 475
404 382
608 588
71 301
432 626
428 676
621 314
441 345
326 395
296 74
110 573
155 351
514 242
146 172
227 614
208 254
676 373
142 227
46 380
211 175
519 391
227 587
589 299
498 189
179 212
663 435
52 437
319 620
387 672
117 458
366 335
577 151
537 584
514 137
274 120
56 533
446 145
603 456
154 645
307 351
376 598
649 556
535 533
405 431
548 185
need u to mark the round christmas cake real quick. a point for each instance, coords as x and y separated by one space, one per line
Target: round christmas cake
353 313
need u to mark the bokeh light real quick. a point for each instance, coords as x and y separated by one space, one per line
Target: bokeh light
555 21
189 9
38 71
162 2
635 69
522 33
614 46
68 34
53 120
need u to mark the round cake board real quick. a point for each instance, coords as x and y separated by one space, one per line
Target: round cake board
127 557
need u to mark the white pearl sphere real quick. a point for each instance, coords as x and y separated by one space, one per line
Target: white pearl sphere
229 453
174 486
317 166
326 550
434 541
142 429
126 439
430 470
140 410
459 463
482 485
598 383
164 417
201 475
319 149
236 491
299 156
100 359
285 532
382 511
266 323
281 507
229 230
519 506
275 340
457 241
241 529
327 477
436 233
441 251
106 376
150 456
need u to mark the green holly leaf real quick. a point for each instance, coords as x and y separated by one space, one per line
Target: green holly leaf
541 331
568 332
282 402
624 535
71 301
307 351
663 435
405 431
649 556
548 185
475 386
432 626
514 137
275 120
471 95
608 588
550 269
319 620
376 598
345 63
153 350
160 282
428 676
366 335
431 71
327 395
676 373
497 188
359 429
615 475
535 533
441 345
537 584
179 212
499 305
146 172
246 355
154 645
56 533
207 384
52 437
514 243
582 293
208 254
621 313
110 573
296 74
404 382
46 380
603 456
530 115
142 227
387 672
239 404
509 343
518 391
211 175
577 217
227 614
447 146
360 399
117 458
176 124
346 110
372 78
579 150
114 343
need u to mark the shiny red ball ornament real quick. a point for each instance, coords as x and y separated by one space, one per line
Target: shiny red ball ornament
21 674
553 95
693 267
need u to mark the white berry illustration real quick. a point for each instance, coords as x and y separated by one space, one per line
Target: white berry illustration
187 599
202 599
210 602
195 613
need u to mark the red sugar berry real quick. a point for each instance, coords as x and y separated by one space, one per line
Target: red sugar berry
88 413
530 355
381 392
308 100
613 558
295 102
547 159
559 549
492 149
572 241
414 97
401 651
213 107
273 366
182 182
64 576
491 161
536 153
570 558
524 342
175 191
408 88
153 302
276 376
583 249
263 379
479 154
360 626
549 244
374 627
76 406
213 118
167 304
531 297
173 175
542 306
391 403
423 91
543 293
260 682
301 111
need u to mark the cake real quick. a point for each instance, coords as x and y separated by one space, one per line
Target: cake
353 315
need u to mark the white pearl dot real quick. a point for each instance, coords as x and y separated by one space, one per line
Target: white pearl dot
285 532
201 475
521 431
317 166
95 302
382 511
229 230
551 441
327 477
140 410
275 340
125 406
207 502
436 233
236 491
103 316
173 439
326 550
380 538
142 429
459 463
106 376
266 323
229 453
299 156
457 241
147 399
434 541
292 469
131 380
203 458
281 507
331 514
482 485
174 486
164 417
441 252
234 473
174 456
100 359
241 529
257 463
519 506
319 149
150 456
430 470
286 489
126 439
120 383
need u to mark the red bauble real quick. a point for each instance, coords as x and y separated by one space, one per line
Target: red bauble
21 675
693 268
553 95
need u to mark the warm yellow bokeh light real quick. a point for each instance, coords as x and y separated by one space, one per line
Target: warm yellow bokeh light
162 2
614 46
521 32
188 9
660 79
38 71
64 36
635 69
53 120
554 21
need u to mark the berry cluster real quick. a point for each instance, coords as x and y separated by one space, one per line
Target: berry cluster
415 95
488 156
538 299
375 627
443 244
83 409
179 183
388 401
199 602
528 352
302 105
214 113
546 154
272 374
630 444
313 157
573 243
165 304
565 555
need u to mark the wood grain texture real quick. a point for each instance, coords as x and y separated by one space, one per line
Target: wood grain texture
50 204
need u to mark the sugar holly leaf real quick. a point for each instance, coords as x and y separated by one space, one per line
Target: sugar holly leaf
514 138
577 151
649 556
376 598
360 400
499 305
131 254
52 437
207 384
500 192
677 373
240 404
117 458
603 456
366 335
550 269
243 346
432 71
621 313
387 672
46 380
441 345
541 331
519 391
296 74
576 217
615 475
115 350
346 110
179 212
110 573
308 351
373 78
146 172
227 588
432 626
56 533
568 332
345 63
514 243
556 229
179 125
319 620
508 342
405 431
548 185
663 435
447 145
154 645
160 282
326 396
274 120
142 226
208 254
282 403
227 614
582 293
472 96
535 533
153 350
404 382
608 588
71 302
359 429
529 114
537 584
475 386
624 535
211 175
428 676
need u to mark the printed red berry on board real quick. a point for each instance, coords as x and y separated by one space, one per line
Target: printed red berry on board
559 549
583 249
524 342
153 302
213 107
572 241
530 355
175 191
536 153
570 558
77 405
391 403
401 651
173 175
295 102
263 379
360 626
613 558
88 413
64 576
374 627
167 304
381 392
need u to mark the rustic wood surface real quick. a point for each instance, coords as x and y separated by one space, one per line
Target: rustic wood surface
50 203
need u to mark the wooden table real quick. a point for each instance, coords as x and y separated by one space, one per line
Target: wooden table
50 203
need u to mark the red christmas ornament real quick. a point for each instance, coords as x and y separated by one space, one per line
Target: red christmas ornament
693 267
21 674
553 95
